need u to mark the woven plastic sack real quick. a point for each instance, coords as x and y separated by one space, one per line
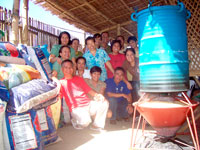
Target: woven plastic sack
9 49
37 91
40 61
2 117
24 131
13 75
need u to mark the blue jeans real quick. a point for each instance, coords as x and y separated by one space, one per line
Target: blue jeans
135 91
118 108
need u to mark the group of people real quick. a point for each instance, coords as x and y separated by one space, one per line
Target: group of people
101 81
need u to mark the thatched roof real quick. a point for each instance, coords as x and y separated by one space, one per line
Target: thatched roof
98 15
106 15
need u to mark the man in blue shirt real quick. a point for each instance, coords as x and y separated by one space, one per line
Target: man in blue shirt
119 96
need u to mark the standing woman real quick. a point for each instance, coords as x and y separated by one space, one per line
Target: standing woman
97 57
63 40
117 59
75 45
64 54
131 65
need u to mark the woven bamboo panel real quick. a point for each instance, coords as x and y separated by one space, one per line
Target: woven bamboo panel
193 31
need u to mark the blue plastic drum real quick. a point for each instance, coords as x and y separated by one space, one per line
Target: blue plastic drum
163 49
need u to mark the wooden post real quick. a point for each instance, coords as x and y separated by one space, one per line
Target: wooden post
25 22
15 22
118 29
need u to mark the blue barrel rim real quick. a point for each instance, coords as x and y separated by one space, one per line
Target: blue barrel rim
161 8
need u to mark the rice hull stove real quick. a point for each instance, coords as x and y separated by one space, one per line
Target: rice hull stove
164 71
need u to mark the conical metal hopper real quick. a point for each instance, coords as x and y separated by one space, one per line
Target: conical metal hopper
165 117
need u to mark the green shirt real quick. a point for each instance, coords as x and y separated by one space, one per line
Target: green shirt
78 54
57 68
55 51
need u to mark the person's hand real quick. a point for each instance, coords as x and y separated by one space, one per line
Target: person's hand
99 97
59 60
126 97
129 108
129 86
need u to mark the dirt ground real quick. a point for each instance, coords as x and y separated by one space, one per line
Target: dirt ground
115 137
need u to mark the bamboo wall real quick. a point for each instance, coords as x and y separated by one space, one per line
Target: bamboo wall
39 33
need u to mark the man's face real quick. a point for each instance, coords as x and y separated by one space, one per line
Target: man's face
67 69
121 40
118 76
133 44
105 38
81 64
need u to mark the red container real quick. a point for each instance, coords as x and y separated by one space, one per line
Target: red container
165 117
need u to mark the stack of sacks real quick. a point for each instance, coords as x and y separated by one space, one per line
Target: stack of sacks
35 109
10 54
40 56
41 62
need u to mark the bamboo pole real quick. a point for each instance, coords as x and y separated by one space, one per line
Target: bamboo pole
118 29
25 22
15 22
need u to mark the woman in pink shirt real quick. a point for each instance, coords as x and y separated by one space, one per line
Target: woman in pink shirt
117 59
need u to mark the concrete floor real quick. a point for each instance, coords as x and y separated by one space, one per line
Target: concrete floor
115 137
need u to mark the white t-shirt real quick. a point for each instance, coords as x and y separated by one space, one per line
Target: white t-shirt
86 73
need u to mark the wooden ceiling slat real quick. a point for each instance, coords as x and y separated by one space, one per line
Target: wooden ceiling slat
87 26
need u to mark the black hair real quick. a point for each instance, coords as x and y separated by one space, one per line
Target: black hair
120 36
95 69
65 61
115 41
77 59
120 68
75 39
61 48
60 36
132 38
103 33
97 35
130 49
89 38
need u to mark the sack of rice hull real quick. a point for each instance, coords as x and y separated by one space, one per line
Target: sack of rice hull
56 110
24 130
33 93
9 49
4 93
2 117
49 134
40 61
13 75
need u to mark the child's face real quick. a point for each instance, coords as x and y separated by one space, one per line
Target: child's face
95 76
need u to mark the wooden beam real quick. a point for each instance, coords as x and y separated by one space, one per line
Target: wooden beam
77 7
130 10
115 26
98 12
104 16
62 10
112 18
127 31
118 29
80 6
